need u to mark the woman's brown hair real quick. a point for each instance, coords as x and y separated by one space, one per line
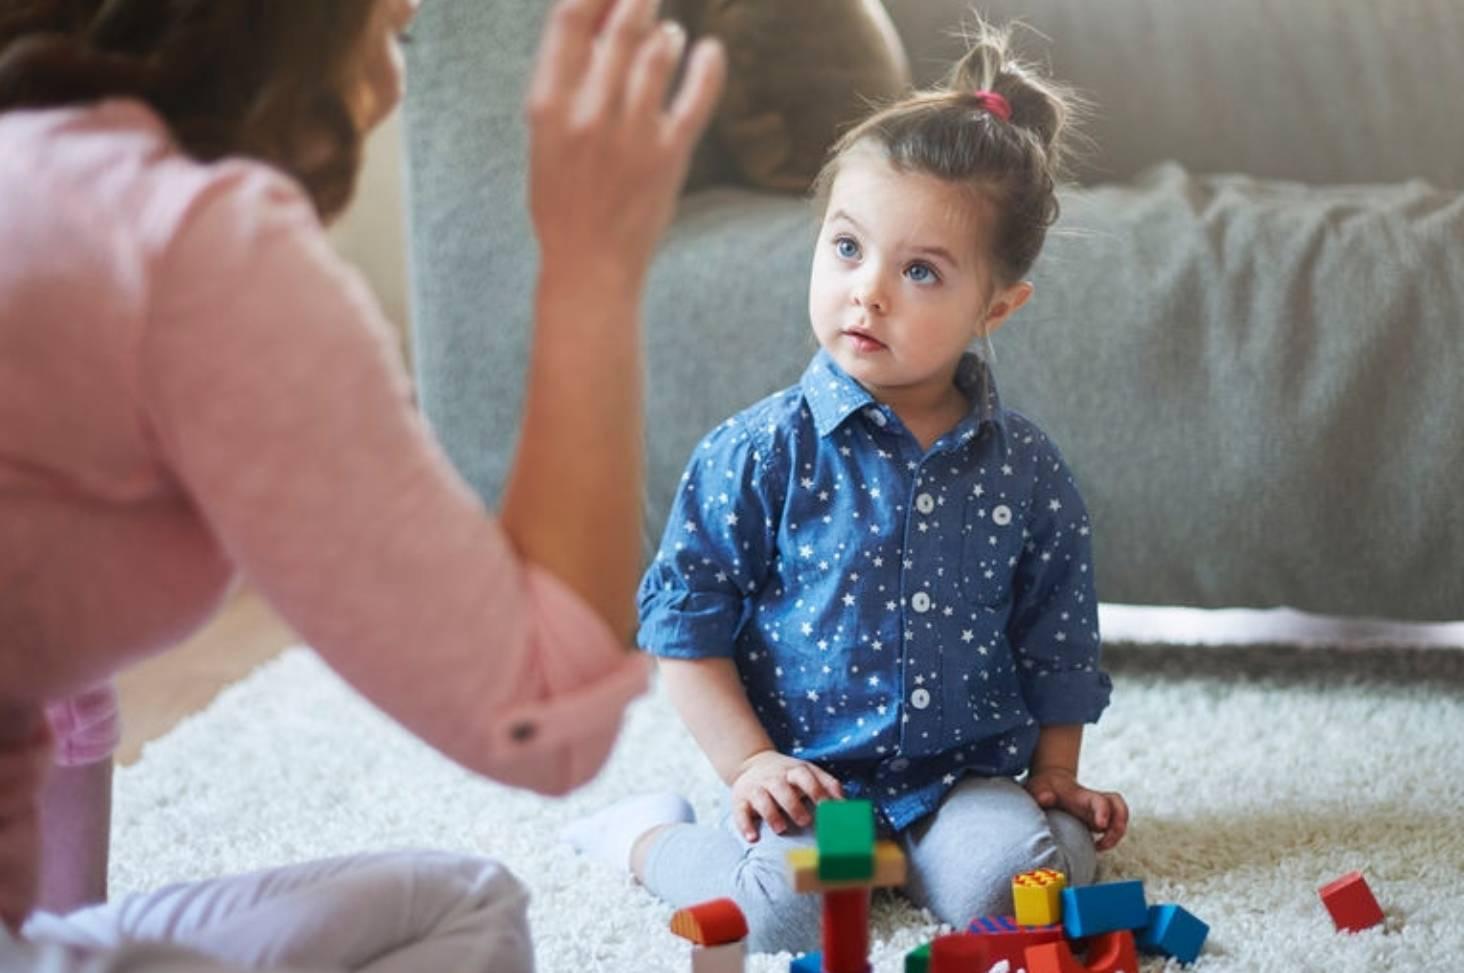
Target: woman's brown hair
267 79
951 133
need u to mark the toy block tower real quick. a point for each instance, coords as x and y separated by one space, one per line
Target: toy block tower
716 929
844 866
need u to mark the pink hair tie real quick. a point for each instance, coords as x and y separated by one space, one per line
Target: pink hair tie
995 104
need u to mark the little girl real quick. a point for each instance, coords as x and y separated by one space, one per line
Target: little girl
877 583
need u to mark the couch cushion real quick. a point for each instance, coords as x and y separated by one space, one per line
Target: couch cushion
1258 384
1330 91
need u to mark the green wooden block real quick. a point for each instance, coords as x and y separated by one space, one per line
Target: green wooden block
918 960
845 834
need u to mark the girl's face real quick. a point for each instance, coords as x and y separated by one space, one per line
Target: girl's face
902 282
379 85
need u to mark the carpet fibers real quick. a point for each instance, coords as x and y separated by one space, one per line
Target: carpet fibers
1255 775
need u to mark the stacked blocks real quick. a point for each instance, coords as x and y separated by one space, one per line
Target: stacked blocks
959 953
845 834
1091 909
1351 903
1008 940
716 929
1173 931
844 866
1035 896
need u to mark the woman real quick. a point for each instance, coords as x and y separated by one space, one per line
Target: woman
193 387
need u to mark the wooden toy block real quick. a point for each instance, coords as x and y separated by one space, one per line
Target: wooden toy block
846 931
1007 940
889 869
1351 903
918 960
1112 952
721 958
958 953
710 923
807 963
813 963
1091 909
845 833
1036 897
1052 958
1173 931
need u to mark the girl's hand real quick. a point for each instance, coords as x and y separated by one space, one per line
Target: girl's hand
778 788
1104 812
607 153
23 767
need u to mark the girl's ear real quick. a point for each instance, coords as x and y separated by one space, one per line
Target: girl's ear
1004 303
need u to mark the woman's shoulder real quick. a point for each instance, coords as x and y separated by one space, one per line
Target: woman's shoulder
116 161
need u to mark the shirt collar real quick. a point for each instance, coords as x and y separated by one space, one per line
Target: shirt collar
833 396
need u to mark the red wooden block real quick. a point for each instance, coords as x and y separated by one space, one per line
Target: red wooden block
1351 903
710 923
959 953
1109 952
846 931
1006 940
1112 952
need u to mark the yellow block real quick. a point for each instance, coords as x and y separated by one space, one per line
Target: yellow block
1037 897
889 869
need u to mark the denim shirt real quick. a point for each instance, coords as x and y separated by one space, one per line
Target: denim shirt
900 616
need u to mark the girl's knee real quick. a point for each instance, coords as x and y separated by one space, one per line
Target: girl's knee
1075 849
777 917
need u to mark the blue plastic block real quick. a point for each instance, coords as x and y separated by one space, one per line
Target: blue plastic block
1091 909
807 963
1173 931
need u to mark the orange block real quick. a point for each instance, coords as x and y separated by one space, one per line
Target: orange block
710 923
1110 952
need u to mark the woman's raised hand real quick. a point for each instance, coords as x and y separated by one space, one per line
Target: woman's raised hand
609 150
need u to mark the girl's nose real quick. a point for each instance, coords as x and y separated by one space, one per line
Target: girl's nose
869 293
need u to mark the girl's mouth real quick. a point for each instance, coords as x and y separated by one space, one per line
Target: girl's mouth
863 341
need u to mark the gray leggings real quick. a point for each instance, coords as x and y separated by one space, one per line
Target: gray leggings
962 859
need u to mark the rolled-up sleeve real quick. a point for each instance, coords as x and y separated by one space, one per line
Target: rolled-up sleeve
273 386
86 726
1053 629
716 548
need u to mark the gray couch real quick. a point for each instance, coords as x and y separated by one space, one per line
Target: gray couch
1248 329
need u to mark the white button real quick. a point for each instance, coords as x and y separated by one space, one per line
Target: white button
925 503
920 601
1002 515
920 698
875 416
900 763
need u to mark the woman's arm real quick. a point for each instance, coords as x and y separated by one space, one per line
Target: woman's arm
607 162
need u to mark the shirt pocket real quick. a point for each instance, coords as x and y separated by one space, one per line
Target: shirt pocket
991 549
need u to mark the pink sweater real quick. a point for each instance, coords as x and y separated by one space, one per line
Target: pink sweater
192 384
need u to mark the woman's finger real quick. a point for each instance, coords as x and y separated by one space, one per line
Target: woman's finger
651 73
605 87
701 86
564 49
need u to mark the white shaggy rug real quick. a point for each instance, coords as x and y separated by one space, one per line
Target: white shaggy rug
1255 774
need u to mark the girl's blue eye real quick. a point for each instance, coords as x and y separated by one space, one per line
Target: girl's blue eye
846 248
922 273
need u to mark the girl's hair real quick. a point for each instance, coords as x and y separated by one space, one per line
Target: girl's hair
266 79
951 133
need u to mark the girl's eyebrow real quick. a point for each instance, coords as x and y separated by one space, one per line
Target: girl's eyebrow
929 251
